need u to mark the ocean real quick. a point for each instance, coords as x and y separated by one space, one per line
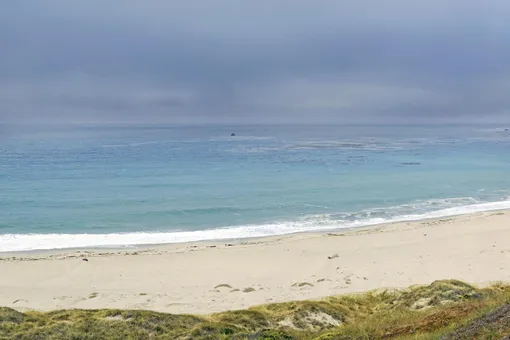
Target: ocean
116 186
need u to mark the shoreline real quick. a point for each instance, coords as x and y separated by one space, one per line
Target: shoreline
210 276
444 213
110 250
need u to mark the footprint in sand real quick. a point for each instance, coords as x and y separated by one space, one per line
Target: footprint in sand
174 304
323 280
74 299
66 301
145 302
62 298
93 295
303 285
224 287
347 278
19 301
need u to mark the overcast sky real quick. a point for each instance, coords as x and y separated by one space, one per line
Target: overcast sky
264 61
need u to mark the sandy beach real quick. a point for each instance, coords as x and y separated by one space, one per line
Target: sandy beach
207 277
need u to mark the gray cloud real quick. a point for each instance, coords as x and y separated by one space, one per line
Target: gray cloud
264 61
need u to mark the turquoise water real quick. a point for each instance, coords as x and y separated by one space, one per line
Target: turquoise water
114 186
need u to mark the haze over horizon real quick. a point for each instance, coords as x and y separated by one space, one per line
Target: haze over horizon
302 62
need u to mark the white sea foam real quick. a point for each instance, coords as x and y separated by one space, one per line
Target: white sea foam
134 145
24 242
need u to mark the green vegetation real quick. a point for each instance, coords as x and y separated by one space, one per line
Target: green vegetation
443 310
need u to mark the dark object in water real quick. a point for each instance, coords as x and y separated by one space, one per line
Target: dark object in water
507 130
411 163
232 134
86 260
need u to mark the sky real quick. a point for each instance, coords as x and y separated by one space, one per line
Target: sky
264 61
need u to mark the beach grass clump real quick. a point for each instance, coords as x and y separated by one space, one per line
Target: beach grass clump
9 315
250 320
447 310
438 293
492 325
213 330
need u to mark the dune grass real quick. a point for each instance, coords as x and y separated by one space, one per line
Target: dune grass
445 309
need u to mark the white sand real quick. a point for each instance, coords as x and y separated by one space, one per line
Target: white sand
182 278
